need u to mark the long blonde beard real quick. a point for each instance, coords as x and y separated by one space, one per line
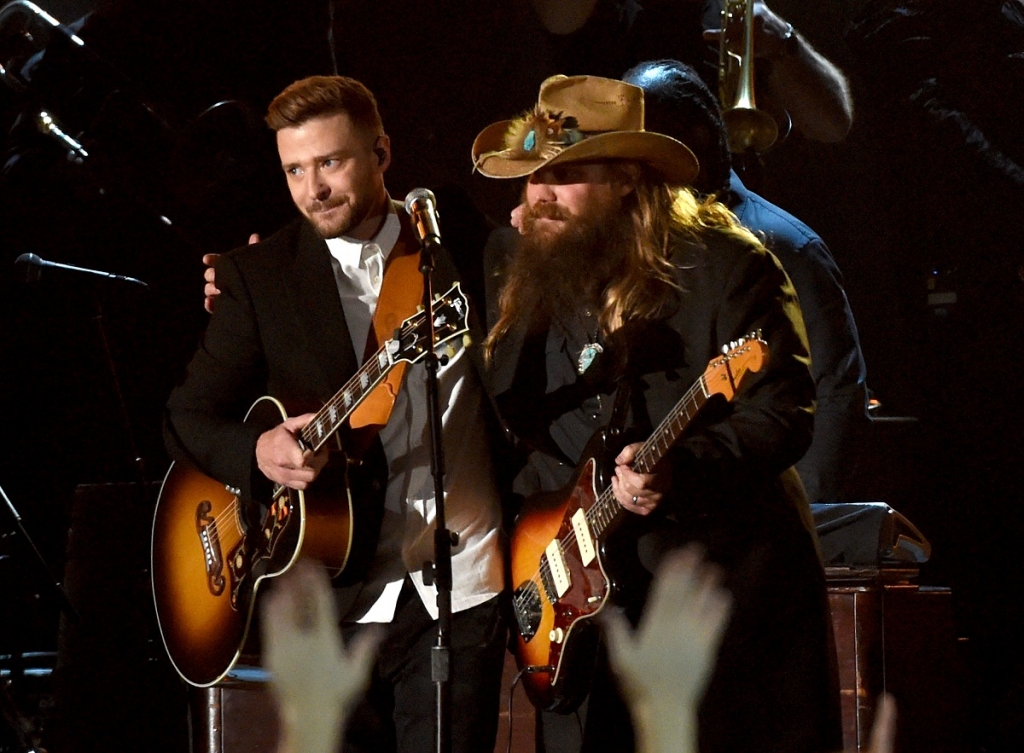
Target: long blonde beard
641 237
561 273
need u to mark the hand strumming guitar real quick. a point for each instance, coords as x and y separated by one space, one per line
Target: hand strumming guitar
283 461
640 493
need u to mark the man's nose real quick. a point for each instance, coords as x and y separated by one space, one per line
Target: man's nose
318 187
541 192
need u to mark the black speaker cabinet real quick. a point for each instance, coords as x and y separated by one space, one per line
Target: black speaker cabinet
113 685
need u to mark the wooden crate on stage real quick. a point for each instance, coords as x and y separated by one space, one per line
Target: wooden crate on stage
897 637
238 716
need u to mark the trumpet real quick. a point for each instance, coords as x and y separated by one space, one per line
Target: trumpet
749 129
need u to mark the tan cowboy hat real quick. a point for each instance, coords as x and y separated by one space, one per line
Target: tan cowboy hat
580 118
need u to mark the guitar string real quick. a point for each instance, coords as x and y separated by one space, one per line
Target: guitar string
642 456
566 543
607 508
645 457
373 363
322 416
335 401
373 372
323 413
544 569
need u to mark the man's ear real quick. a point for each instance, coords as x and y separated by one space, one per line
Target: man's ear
627 175
382 148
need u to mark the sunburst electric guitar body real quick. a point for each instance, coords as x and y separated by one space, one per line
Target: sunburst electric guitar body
561 542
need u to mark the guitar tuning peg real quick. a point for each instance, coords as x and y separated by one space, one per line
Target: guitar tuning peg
725 349
450 350
467 340
419 309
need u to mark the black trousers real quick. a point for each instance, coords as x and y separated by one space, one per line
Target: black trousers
399 712
775 685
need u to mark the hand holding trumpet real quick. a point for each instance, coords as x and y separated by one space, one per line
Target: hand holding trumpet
800 82
771 33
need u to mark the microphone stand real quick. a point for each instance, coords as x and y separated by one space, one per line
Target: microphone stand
33 269
440 571
44 569
138 463
24 729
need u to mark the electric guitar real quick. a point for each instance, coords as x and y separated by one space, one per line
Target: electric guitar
559 548
207 562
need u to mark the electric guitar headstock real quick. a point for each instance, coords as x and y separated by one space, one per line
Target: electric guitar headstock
726 374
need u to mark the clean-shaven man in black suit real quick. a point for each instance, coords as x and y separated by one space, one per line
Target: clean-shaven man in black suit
294 320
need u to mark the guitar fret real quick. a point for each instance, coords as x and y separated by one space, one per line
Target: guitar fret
604 512
611 510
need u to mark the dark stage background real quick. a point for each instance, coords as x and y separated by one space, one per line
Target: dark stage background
922 201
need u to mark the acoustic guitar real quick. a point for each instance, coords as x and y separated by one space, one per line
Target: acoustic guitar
207 562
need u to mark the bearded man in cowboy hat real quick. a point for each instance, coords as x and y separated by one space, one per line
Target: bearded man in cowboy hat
622 289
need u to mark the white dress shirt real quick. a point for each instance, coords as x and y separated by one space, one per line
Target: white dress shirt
471 497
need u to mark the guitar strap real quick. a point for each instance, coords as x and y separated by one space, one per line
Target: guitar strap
623 391
401 292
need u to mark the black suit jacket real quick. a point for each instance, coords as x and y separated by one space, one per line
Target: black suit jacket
278 329
730 462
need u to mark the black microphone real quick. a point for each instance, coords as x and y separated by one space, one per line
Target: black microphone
421 205
34 267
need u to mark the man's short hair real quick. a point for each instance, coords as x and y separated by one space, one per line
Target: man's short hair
678 103
320 96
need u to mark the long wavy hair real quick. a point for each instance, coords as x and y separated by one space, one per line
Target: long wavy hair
659 218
